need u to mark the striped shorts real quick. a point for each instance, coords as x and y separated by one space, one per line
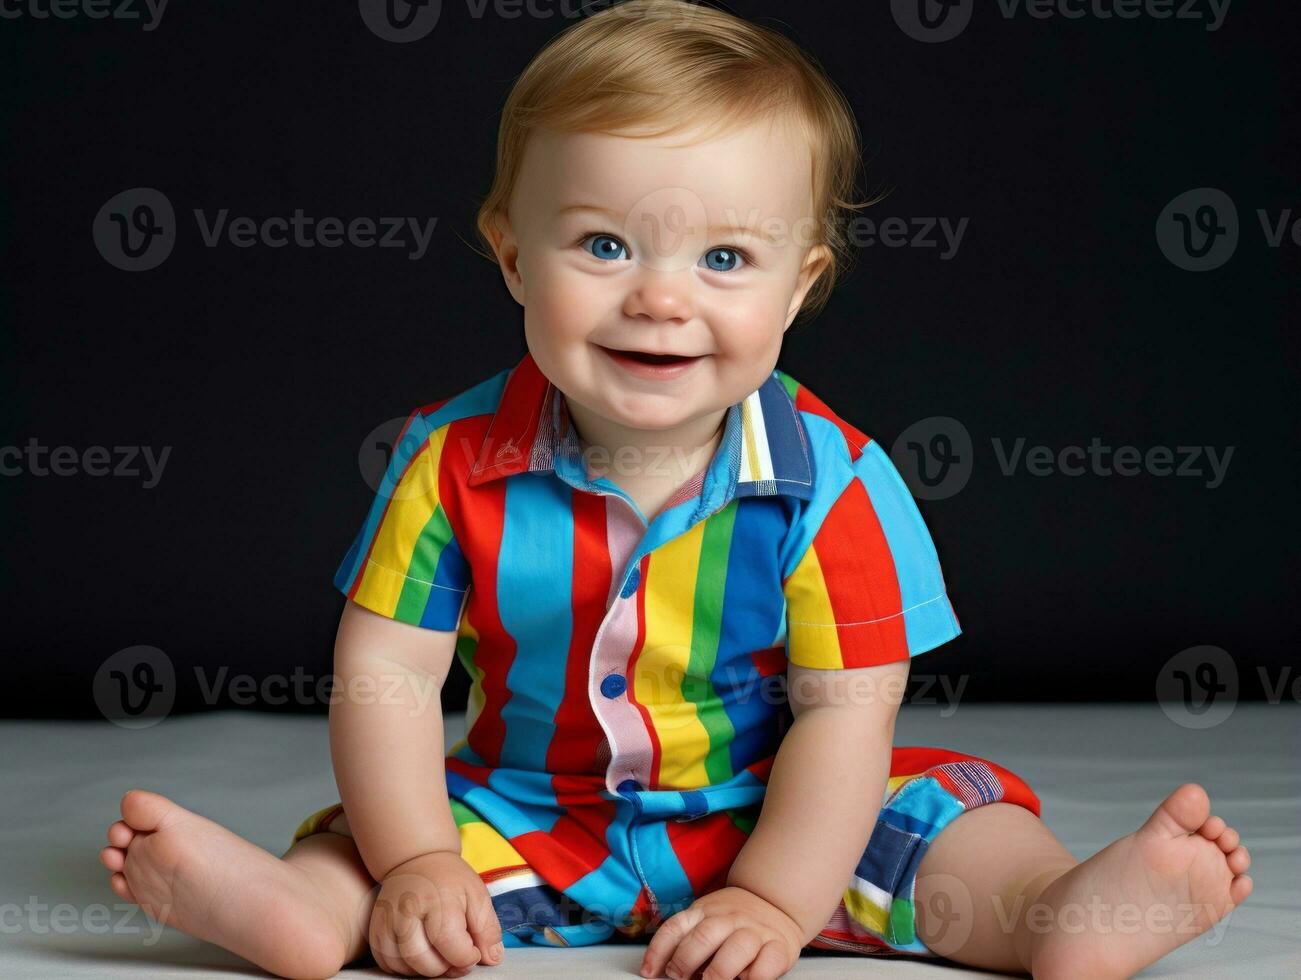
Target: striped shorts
928 787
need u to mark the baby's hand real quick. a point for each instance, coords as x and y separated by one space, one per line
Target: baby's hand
434 918
745 934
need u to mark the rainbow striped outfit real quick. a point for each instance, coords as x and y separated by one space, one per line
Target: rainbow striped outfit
625 707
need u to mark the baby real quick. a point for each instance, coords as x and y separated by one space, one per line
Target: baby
687 594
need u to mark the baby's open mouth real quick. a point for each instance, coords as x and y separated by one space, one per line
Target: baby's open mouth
646 358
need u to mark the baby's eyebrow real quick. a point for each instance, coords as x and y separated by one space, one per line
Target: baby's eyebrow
713 229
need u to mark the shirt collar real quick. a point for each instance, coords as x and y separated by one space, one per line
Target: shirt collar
763 437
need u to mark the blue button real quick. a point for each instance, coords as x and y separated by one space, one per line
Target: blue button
630 786
631 585
613 685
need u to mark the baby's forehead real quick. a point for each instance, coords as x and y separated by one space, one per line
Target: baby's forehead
746 175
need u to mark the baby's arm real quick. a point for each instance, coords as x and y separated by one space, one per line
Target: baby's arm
386 738
824 795
825 790
433 911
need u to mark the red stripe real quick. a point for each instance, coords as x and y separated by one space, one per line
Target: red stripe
514 424
907 760
484 509
574 847
581 830
769 661
706 848
475 774
642 570
578 733
806 401
861 580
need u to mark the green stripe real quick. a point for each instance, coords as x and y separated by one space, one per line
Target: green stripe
706 632
744 817
789 383
462 814
901 922
433 540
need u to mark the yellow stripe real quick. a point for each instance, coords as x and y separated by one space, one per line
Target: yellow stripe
893 783
484 848
813 638
748 438
866 912
662 664
475 700
412 504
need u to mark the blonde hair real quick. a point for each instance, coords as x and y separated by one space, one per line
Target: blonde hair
676 64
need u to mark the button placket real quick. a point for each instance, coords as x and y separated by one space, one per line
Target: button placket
608 688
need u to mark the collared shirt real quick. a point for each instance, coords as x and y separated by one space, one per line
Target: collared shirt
627 695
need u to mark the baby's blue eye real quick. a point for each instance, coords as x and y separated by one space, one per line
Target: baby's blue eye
605 247
722 259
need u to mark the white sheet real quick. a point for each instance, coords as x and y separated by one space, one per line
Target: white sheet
1099 770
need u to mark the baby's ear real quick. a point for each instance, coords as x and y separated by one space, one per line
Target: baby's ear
816 264
506 247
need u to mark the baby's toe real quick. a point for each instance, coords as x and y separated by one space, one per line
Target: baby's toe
112 858
120 833
121 888
1213 827
1239 861
1240 888
144 809
1228 840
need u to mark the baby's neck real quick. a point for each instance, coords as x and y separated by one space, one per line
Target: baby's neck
651 462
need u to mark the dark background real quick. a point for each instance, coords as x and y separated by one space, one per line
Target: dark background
1059 320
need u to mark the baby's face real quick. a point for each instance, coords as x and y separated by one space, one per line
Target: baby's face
704 250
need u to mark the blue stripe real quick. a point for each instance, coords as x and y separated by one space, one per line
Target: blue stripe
928 618
888 852
834 473
694 803
451 579
610 890
535 574
792 463
659 866
924 801
753 611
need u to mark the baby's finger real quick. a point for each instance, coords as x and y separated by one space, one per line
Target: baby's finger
417 952
769 964
485 928
383 945
373 940
450 935
665 941
699 945
737 952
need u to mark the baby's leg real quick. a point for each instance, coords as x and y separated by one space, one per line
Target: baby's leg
1032 908
992 859
302 916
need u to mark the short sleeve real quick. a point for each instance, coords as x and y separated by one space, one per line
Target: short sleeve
867 589
405 562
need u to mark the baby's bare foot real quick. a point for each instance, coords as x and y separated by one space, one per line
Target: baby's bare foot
1144 894
195 875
